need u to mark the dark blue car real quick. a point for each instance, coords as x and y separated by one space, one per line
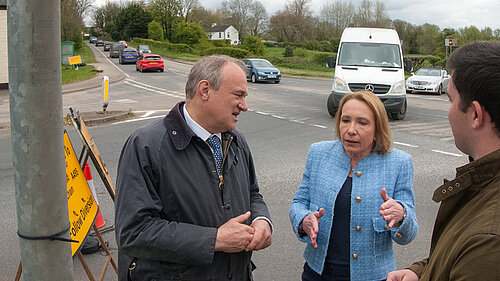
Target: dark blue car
262 70
128 56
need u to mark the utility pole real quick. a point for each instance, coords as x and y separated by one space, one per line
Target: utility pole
34 44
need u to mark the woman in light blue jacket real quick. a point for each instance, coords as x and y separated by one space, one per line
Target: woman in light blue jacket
355 198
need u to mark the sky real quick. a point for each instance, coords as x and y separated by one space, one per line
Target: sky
443 13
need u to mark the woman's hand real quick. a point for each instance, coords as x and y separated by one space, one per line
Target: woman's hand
392 212
310 225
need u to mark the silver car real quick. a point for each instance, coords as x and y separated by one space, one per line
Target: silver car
428 80
143 49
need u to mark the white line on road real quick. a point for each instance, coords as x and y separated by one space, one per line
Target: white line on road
320 126
140 119
405 144
447 153
149 113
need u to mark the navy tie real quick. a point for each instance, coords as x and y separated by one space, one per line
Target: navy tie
214 143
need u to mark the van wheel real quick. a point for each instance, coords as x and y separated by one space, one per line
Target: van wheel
401 114
331 106
254 79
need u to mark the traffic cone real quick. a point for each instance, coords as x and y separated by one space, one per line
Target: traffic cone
99 221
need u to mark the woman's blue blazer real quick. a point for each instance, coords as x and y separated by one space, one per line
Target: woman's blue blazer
327 168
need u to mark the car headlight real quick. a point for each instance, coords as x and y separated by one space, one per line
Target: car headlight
340 86
398 88
409 82
260 72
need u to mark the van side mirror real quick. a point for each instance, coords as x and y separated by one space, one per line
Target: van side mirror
408 65
330 62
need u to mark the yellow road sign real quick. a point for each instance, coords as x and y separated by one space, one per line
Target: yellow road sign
75 60
82 207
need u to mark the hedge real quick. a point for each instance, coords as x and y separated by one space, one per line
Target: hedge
420 61
230 51
178 48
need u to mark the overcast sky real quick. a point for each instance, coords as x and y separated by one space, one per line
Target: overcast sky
443 13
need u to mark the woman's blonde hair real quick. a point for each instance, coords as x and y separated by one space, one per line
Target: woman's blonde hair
383 138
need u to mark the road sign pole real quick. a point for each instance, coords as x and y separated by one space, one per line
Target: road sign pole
35 88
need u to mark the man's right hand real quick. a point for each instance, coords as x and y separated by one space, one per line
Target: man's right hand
234 235
310 225
402 275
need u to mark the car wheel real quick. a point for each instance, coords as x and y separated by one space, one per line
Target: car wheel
141 69
401 114
276 82
136 68
254 79
161 70
331 106
440 89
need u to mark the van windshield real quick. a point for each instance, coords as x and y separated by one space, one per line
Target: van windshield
370 54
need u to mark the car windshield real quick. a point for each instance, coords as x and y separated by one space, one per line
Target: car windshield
262 63
129 52
143 48
428 72
370 54
152 58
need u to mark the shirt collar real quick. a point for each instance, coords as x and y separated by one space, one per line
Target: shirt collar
196 128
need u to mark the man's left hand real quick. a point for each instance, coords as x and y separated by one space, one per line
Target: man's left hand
261 237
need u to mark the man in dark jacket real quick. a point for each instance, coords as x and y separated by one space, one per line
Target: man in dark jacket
466 239
188 205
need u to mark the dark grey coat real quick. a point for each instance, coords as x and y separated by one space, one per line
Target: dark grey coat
169 203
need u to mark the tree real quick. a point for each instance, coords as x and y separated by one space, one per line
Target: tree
339 14
189 33
428 39
105 16
257 19
236 13
133 22
166 12
71 22
253 44
155 31
187 6
204 17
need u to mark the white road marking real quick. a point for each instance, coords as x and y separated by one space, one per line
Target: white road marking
405 144
149 113
125 101
320 126
447 153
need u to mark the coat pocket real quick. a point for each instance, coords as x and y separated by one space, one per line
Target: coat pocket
381 236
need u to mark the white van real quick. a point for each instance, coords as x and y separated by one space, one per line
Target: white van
371 59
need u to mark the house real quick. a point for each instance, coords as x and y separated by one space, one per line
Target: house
4 67
221 32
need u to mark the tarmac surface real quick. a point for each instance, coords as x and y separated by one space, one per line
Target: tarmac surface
90 118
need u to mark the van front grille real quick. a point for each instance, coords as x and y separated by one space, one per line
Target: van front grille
378 89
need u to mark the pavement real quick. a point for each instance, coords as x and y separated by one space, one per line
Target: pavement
91 118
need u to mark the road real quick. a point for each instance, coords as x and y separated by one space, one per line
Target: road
283 121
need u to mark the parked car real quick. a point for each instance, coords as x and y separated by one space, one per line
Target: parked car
149 62
107 46
143 49
114 52
92 39
262 70
128 55
124 43
428 80
99 43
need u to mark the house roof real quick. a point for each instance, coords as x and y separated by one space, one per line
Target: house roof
217 28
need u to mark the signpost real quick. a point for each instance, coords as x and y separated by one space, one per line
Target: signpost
450 43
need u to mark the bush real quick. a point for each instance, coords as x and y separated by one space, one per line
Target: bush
155 32
253 44
221 43
230 51
288 51
269 44
190 33
300 52
321 57
420 61
178 48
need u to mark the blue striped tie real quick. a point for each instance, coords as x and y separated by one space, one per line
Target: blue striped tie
214 143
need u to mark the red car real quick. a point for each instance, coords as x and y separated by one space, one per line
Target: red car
124 43
149 62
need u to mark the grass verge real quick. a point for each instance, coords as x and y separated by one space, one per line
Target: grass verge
69 74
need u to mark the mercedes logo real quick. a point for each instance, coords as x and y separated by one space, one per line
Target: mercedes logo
369 87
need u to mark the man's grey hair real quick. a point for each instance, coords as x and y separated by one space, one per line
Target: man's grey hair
209 68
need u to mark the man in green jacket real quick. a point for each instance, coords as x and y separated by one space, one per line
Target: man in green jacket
466 238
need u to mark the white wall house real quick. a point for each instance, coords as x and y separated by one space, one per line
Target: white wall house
4 67
221 32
